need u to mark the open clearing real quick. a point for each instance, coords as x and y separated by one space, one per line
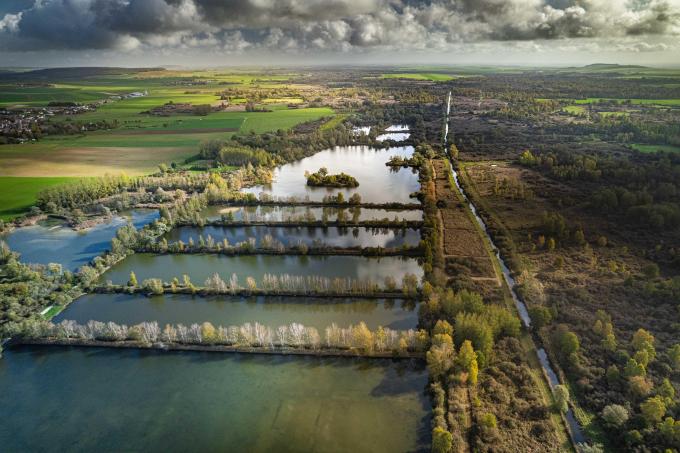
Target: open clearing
664 102
419 76
574 109
19 194
656 148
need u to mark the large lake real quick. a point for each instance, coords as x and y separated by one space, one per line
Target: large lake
84 400
377 183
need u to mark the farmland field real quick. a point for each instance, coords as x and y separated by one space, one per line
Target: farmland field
39 160
190 131
656 148
662 102
18 194
574 109
420 76
138 141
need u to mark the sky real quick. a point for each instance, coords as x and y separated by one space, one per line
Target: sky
203 33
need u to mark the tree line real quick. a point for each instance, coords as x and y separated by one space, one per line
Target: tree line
274 284
248 335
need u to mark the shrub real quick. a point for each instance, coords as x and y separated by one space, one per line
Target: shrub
653 409
615 415
153 286
488 421
441 440
561 395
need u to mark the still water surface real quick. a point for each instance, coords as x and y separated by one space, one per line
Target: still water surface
70 399
231 310
78 400
280 213
52 242
289 236
200 267
377 182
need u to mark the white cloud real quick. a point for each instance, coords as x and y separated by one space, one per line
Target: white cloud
334 25
10 23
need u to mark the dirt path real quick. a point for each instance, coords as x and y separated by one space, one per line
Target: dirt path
459 398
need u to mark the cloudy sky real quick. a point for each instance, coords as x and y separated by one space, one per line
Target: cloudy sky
41 33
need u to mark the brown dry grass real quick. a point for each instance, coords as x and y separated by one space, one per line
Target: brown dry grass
583 283
464 249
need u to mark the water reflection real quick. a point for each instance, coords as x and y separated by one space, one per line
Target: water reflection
200 267
287 213
232 310
168 401
290 236
52 242
376 183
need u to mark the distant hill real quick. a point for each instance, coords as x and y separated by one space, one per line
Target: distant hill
69 73
607 66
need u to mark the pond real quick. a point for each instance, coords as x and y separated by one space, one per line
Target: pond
377 182
398 133
94 399
100 399
280 213
200 267
289 236
365 130
395 136
52 242
232 310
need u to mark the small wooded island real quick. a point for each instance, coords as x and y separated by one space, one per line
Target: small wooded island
322 179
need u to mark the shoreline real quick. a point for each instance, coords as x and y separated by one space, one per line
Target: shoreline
214 348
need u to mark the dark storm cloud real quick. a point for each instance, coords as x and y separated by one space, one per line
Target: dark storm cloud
330 25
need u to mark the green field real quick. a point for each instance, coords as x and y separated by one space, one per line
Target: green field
574 109
605 114
53 311
660 102
162 86
19 194
656 148
128 151
140 141
664 102
333 122
282 119
39 96
420 76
